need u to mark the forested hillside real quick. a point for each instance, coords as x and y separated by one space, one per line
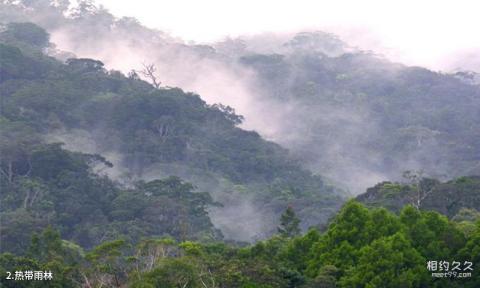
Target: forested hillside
453 198
359 115
361 248
124 178
44 184
348 114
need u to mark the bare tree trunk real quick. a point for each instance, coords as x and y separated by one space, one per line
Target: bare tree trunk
149 72
87 283
10 172
25 201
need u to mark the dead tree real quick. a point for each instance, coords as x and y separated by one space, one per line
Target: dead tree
420 189
148 72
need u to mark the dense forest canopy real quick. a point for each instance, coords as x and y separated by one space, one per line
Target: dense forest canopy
368 118
360 248
348 114
155 133
122 178
449 198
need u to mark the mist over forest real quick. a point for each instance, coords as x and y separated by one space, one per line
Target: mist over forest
112 130
309 91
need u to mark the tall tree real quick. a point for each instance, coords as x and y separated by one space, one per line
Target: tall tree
289 223
420 186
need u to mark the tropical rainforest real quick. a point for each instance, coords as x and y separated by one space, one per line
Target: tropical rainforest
348 170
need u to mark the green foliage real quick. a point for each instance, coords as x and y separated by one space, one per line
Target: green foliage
391 253
394 114
289 223
148 128
387 262
171 273
46 184
158 233
465 220
471 253
431 233
26 35
375 248
108 259
447 198
47 252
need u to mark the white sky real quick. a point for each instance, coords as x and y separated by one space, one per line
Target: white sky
421 32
